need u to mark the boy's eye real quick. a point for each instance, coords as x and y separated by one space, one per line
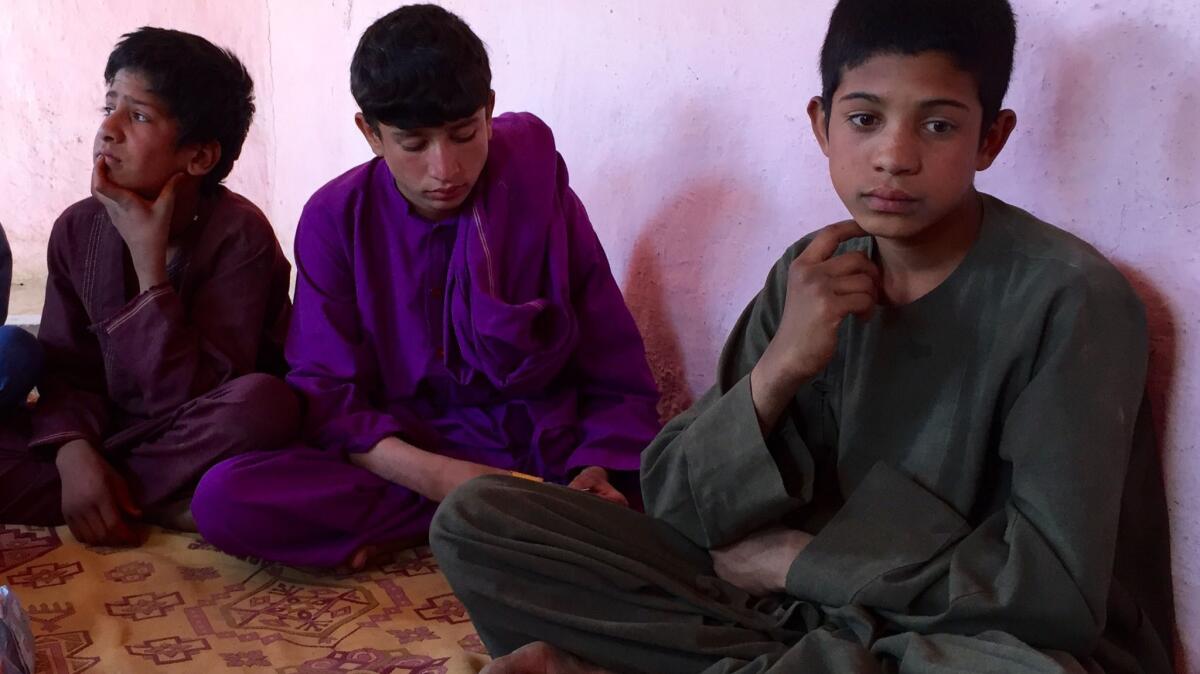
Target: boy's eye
464 138
939 126
106 110
863 120
413 147
140 117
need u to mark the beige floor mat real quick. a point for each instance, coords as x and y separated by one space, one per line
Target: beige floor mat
178 605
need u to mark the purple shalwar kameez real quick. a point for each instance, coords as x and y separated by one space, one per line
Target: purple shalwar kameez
497 336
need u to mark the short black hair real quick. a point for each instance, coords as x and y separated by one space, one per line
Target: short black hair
979 35
206 88
419 66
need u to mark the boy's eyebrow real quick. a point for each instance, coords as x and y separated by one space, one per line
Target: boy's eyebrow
930 103
402 135
861 96
136 101
939 102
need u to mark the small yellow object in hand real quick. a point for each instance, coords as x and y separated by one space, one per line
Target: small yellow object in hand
525 476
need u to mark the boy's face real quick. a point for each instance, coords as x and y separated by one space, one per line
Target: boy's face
903 142
435 168
137 136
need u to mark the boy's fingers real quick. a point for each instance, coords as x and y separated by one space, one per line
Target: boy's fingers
111 519
76 525
855 283
589 479
93 527
855 262
100 182
860 304
826 242
609 492
106 190
583 482
166 196
124 500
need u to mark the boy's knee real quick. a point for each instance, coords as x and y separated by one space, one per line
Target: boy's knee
216 508
262 409
469 508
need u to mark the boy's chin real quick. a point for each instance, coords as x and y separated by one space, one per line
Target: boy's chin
130 183
888 226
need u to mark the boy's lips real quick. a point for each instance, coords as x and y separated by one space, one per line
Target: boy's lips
890 200
446 193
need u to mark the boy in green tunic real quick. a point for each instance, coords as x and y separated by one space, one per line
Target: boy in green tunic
915 456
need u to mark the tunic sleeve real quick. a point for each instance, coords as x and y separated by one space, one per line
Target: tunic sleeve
617 396
165 353
1039 567
710 473
73 395
332 363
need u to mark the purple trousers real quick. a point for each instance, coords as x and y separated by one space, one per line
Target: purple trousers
305 506
310 507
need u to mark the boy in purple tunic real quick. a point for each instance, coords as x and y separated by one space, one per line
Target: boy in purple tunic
455 317
166 308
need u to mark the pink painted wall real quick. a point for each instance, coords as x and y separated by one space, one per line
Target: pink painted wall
683 124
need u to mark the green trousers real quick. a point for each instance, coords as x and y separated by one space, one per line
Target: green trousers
625 591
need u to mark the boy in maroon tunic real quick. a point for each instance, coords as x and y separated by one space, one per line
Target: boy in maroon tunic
166 306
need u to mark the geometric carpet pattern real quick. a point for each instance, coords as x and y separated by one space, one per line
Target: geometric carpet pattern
176 604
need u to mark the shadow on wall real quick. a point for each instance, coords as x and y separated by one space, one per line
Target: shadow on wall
1163 331
666 277
1148 517
1122 77
1123 98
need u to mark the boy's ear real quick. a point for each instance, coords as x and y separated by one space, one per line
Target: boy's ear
820 127
372 136
204 158
995 139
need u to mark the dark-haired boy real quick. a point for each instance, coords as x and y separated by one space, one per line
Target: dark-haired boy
915 454
166 302
455 316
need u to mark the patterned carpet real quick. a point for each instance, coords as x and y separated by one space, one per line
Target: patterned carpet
176 604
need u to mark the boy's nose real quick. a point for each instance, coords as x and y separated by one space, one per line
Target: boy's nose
110 129
443 162
899 154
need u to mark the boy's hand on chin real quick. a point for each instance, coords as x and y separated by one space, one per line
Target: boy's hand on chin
823 288
144 225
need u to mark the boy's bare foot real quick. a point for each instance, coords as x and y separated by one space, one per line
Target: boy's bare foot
358 561
540 657
376 553
175 515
